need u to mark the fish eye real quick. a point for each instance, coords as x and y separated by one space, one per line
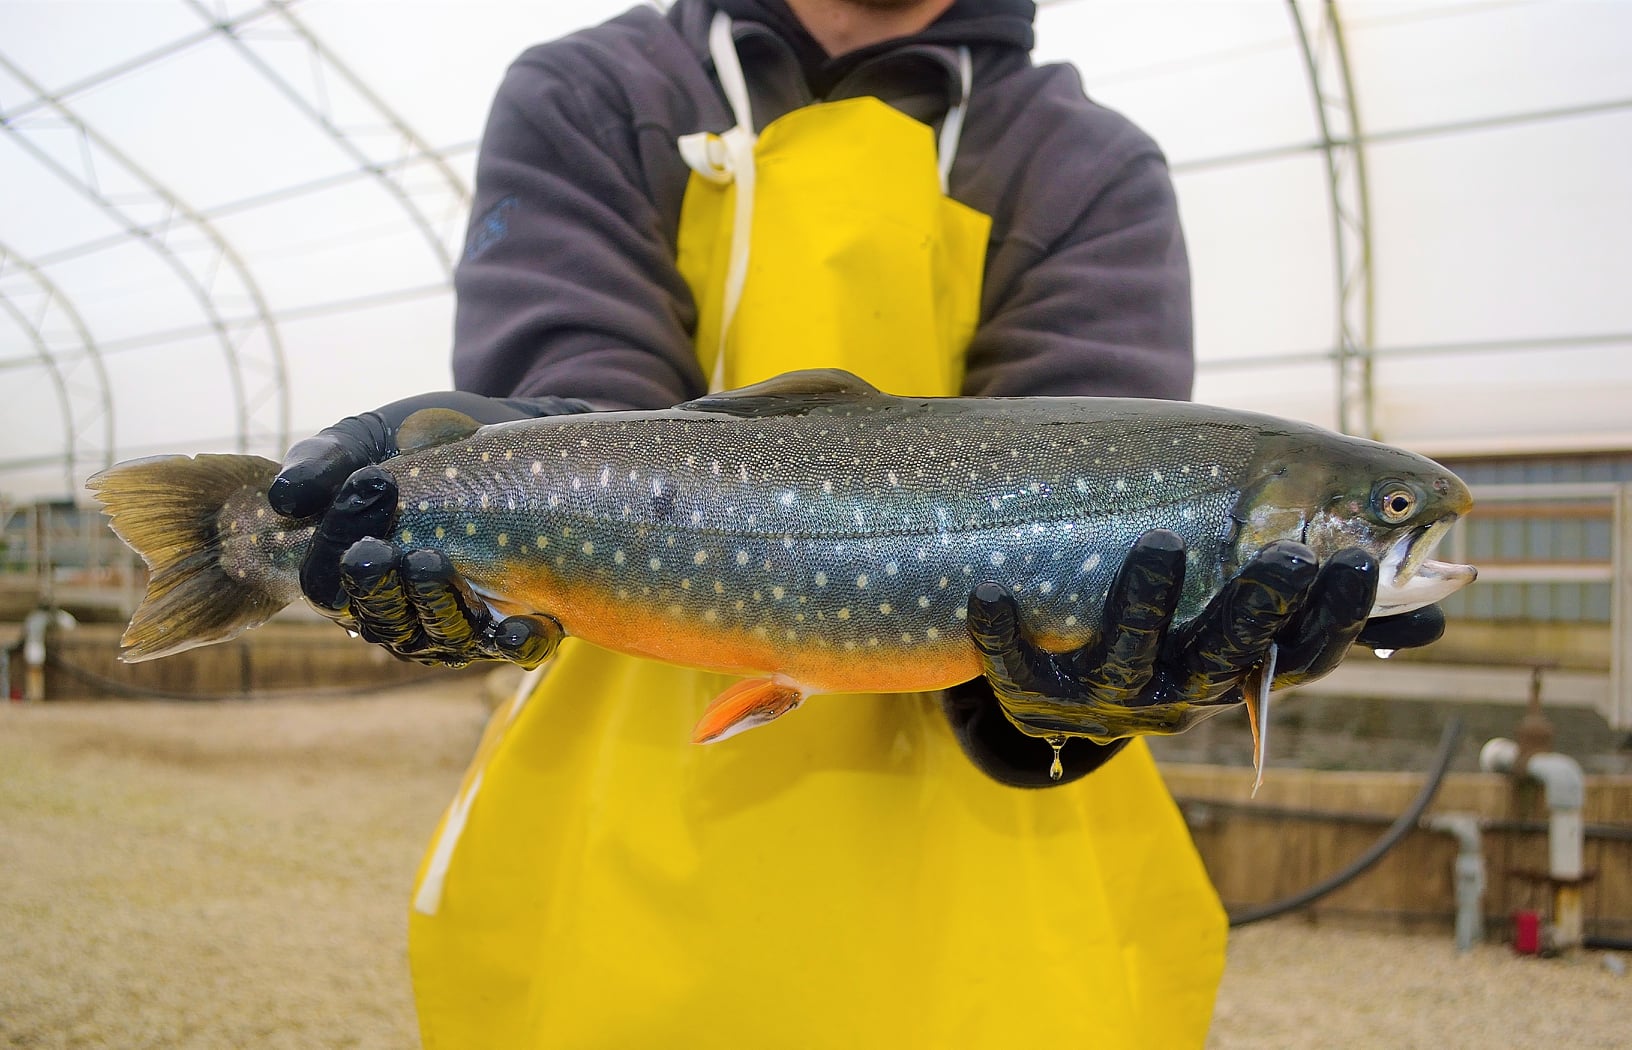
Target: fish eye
1394 501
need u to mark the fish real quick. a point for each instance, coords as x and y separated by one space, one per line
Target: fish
810 533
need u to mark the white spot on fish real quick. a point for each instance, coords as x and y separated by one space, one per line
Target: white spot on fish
502 539
933 633
1121 484
588 548
1213 470
998 557
821 579
541 541
260 512
485 501
884 607
777 593
451 472
413 472
742 557
943 583
891 568
861 581
788 497
685 584
719 586
470 528
844 613
923 601
699 557
696 517
827 487
1156 475
1090 563
1046 587
906 638
606 476
676 610
424 504
618 557
873 641
710 615
960 612
893 480
407 537
538 468
441 532
1070 621
656 564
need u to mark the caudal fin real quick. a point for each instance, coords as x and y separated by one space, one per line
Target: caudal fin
169 510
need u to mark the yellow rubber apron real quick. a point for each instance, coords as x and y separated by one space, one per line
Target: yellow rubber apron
843 877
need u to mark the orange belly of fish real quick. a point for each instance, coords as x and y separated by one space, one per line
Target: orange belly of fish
819 657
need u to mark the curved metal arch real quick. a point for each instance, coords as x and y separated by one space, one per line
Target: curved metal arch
389 172
1331 87
259 375
78 422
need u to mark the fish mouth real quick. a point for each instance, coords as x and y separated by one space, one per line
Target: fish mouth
1411 580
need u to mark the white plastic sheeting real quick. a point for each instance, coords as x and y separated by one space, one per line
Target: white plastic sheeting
225 224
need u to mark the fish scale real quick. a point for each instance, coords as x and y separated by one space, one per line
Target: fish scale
810 530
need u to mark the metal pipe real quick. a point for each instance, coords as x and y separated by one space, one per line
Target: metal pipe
1565 790
35 626
1470 875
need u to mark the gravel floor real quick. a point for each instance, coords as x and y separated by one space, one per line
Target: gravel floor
236 875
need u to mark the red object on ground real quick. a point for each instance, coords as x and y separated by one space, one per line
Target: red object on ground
1527 932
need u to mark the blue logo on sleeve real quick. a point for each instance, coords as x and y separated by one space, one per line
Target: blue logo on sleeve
491 228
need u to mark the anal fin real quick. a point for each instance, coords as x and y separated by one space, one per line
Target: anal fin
749 703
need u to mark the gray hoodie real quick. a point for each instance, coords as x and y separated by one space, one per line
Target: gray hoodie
568 284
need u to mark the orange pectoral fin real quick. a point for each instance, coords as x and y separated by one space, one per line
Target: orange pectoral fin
749 703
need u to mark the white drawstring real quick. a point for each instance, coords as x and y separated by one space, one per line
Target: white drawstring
952 126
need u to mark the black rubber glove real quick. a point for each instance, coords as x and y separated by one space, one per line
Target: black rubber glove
1138 677
412 603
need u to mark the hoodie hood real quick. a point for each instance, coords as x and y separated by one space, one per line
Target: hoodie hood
972 23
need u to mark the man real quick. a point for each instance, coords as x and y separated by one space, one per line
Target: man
712 196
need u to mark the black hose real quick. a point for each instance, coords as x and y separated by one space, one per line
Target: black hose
1608 944
1404 823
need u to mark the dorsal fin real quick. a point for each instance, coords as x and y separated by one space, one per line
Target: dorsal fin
434 426
789 394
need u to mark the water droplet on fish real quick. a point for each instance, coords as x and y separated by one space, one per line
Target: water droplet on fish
1057 770
1384 654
